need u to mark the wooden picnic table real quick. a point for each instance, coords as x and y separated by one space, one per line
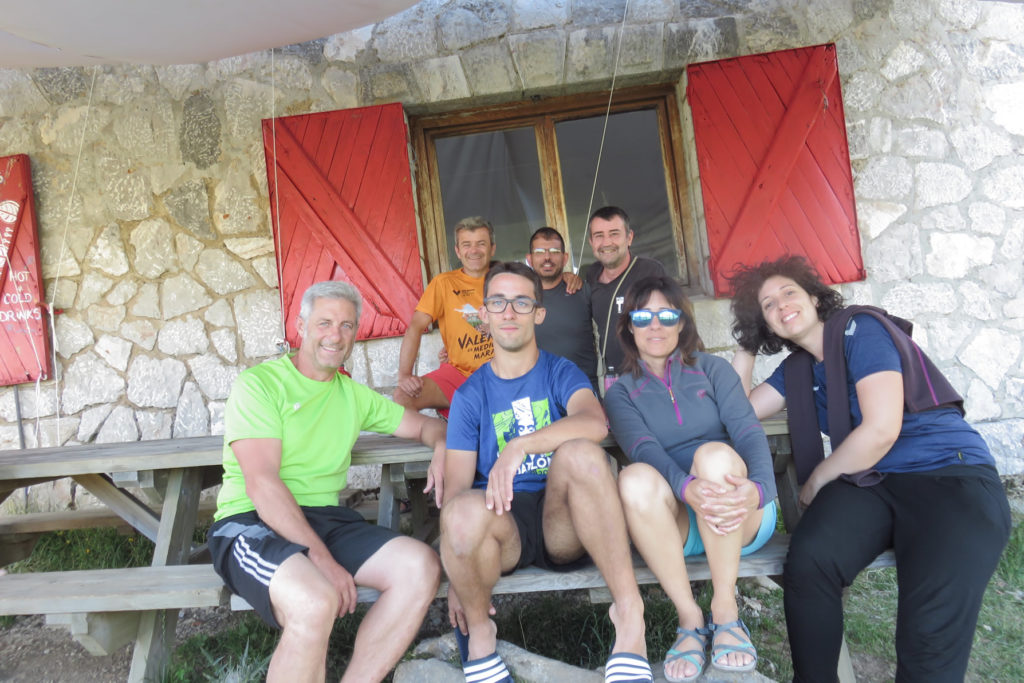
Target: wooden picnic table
173 474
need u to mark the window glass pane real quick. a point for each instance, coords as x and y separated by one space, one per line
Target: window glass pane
632 176
497 176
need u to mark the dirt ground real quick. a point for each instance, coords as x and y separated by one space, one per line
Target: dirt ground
31 652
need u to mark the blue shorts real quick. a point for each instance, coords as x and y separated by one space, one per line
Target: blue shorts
695 545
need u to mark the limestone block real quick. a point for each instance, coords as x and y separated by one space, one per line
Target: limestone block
90 421
1001 21
939 183
1005 278
147 302
94 286
918 141
947 335
153 242
1015 396
1013 242
249 248
917 97
441 79
387 83
343 47
266 268
407 37
714 322
909 300
945 218
358 366
72 335
178 79
597 13
1006 441
120 427
874 217
896 255
430 345
122 292
145 128
880 134
155 383
539 57
384 362
236 206
89 381
1014 308
978 303
342 85
108 252
861 91
199 138
126 194
16 133
191 418
530 15
224 343
182 337
105 318
246 102
258 315
889 178
991 354
828 18
214 378
489 69
57 261
188 205
978 145
1003 186
63 127
904 60
114 350
51 432
34 402
181 294
980 403
461 25
21 95
987 218
61 293
641 49
153 424
221 273
216 409
1006 100
953 255
591 54
219 314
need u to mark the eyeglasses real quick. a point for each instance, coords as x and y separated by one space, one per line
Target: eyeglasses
666 316
521 304
552 251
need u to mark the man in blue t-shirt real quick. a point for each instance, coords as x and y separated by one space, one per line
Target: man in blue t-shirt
527 484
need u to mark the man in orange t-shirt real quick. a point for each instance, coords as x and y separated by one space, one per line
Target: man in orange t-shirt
452 300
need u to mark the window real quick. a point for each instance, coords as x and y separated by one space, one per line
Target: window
523 166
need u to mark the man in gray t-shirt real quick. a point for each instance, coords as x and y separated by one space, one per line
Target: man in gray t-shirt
567 330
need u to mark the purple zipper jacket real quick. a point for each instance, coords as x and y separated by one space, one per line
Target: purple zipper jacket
662 421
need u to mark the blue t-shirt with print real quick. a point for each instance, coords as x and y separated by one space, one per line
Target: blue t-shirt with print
929 439
487 412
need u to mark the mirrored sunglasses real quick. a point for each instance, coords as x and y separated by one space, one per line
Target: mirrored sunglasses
666 316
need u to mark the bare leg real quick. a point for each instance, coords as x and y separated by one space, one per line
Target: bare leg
306 605
476 546
712 462
659 526
582 512
407 573
430 396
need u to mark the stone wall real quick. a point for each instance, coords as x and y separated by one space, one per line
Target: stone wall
154 220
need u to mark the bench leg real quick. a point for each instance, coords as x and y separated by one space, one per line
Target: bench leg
174 542
388 510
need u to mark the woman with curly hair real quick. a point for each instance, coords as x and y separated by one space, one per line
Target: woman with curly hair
905 472
701 479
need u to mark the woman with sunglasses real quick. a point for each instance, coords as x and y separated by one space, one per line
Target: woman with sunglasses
906 471
701 479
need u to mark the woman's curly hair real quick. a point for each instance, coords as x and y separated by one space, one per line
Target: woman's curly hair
749 327
636 297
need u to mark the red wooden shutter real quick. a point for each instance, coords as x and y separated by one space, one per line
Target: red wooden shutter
774 162
346 210
24 341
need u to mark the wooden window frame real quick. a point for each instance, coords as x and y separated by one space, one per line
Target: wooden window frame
543 114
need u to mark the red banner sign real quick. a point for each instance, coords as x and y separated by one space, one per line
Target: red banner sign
24 341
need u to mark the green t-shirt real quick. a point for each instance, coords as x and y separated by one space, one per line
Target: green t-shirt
317 423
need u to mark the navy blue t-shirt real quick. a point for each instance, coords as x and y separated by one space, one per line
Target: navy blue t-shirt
929 439
487 412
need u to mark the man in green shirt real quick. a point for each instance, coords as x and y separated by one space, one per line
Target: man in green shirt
280 540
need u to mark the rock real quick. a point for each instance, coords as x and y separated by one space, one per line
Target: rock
89 381
188 205
181 294
221 273
182 337
191 418
119 427
154 248
155 382
200 131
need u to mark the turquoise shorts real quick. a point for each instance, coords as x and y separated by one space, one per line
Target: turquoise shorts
695 546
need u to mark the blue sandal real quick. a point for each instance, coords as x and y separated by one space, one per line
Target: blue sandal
738 630
695 657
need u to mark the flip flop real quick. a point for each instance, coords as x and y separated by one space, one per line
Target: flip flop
627 668
695 657
489 669
738 630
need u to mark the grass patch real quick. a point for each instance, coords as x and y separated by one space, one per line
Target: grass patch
86 549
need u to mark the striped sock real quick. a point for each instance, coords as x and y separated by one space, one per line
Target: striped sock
627 668
487 670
